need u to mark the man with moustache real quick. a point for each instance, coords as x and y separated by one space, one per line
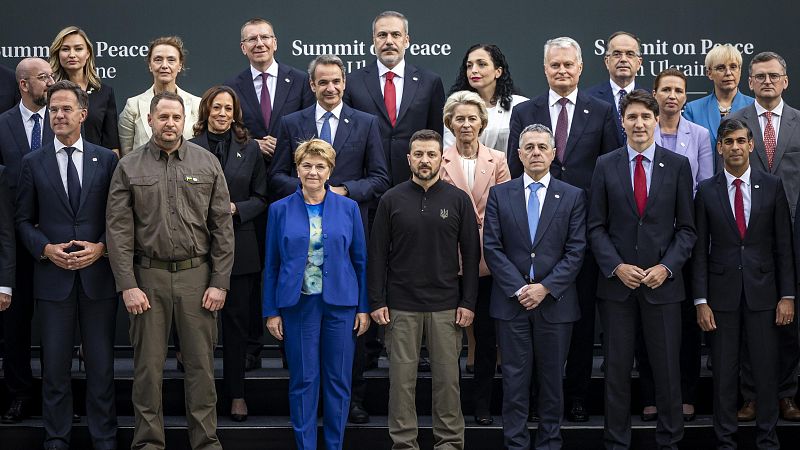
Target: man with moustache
420 228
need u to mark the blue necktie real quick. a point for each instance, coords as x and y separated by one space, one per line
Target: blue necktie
73 182
533 214
36 135
622 95
325 133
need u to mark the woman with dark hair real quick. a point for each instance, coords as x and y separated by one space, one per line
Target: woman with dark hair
219 129
484 70
72 58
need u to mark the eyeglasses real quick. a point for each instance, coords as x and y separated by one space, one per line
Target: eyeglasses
722 68
43 77
630 54
253 40
762 77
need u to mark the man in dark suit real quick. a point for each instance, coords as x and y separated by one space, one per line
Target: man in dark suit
623 59
534 298
776 130
584 129
641 232
22 128
61 209
743 279
9 92
360 171
7 243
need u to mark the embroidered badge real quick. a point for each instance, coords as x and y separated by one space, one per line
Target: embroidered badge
443 213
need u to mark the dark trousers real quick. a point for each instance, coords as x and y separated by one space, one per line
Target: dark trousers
662 340
485 349
581 351
758 329
235 321
255 327
17 330
97 320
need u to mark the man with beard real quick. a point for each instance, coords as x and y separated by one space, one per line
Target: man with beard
415 289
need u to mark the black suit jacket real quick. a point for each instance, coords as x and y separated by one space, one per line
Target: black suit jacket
247 184
593 133
603 92
14 143
44 216
761 264
100 126
665 235
420 108
9 90
8 250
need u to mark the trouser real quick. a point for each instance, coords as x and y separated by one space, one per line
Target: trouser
17 330
178 295
403 340
97 320
485 349
581 350
235 320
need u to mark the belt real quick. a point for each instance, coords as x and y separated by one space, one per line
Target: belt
172 266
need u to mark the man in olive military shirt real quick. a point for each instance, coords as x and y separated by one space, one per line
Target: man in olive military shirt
170 244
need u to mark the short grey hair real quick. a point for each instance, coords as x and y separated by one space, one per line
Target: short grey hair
386 14
538 128
325 60
563 42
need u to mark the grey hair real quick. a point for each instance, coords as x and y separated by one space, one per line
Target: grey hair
539 128
390 14
325 60
465 98
563 42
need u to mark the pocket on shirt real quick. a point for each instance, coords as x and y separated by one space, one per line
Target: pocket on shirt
145 190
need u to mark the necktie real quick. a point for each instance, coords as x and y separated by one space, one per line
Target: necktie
640 185
738 208
622 95
533 214
36 135
390 98
770 140
561 130
266 103
325 133
73 182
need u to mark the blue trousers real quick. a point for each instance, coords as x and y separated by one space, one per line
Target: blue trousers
320 344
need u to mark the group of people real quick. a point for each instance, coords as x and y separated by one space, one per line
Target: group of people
314 203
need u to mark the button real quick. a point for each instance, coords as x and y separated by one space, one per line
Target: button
325 236
533 255
640 223
563 169
740 267
636 247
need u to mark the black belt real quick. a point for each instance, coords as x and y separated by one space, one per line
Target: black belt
172 266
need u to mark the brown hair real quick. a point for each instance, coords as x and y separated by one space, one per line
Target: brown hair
669 72
425 135
239 131
174 41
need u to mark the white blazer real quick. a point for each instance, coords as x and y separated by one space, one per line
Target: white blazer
133 128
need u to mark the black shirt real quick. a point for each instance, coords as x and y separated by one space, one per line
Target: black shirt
413 258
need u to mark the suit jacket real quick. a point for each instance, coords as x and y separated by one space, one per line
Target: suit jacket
490 169
604 92
557 250
786 163
292 93
8 247
14 143
593 132
420 108
9 89
344 247
705 112
44 216
761 264
692 143
101 126
360 161
247 184
134 131
664 235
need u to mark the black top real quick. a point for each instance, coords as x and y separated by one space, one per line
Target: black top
413 258
100 127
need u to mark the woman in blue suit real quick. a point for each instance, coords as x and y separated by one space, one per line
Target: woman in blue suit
315 293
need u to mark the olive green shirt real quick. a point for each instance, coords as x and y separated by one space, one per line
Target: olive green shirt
169 207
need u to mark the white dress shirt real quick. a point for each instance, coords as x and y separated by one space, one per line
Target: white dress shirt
398 80
319 111
27 120
272 81
615 91
776 118
77 159
468 166
555 109
541 194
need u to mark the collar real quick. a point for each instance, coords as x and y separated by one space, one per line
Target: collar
527 180
319 111
649 152
760 110
27 114
272 70
156 151
77 145
615 89
554 98
399 70
745 177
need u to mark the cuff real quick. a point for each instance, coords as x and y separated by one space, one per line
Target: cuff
614 272
670 272
220 282
700 301
126 282
519 291
5 290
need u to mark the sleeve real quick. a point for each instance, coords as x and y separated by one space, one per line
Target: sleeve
784 256
376 179
705 156
119 229
7 242
512 151
380 242
605 252
610 132
565 272
110 137
272 264
470 246
220 226
701 246
308 96
281 180
127 126
358 256
435 106
27 214
683 240
257 201
504 272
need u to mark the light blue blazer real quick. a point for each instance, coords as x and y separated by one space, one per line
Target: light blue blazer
705 112
694 143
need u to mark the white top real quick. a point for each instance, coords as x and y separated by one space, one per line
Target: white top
468 166
27 120
77 159
399 72
319 111
495 135
555 109
272 80
776 118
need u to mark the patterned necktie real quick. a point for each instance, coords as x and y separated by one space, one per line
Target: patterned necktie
533 214
73 182
738 208
622 95
266 102
390 98
36 134
325 133
770 140
640 185
561 130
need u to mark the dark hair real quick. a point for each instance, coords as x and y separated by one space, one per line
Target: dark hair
639 96
669 72
166 95
425 135
728 126
66 85
505 85
625 33
767 56
239 131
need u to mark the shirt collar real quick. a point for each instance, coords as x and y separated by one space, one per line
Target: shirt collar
319 111
615 89
77 145
272 70
777 111
155 150
27 113
554 98
527 180
649 152
398 70
745 177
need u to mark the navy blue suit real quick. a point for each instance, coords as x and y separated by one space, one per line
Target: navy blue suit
14 143
420 108
542 334
9 90
7 241
603 92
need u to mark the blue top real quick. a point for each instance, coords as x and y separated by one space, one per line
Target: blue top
312 276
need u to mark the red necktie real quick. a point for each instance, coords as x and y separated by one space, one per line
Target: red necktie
266 103
561 130
390 98
770 140
738 208
640 185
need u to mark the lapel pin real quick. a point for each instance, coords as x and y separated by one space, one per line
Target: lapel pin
557 196
683 145
287 80
483 171
415 78
346 120
756 186
660 164
586 111
238 155
94 159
